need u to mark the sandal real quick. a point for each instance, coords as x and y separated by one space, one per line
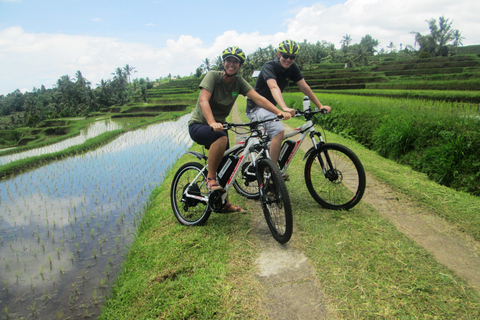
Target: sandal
229 208
212 184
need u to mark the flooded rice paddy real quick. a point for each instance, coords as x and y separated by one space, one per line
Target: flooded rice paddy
93 130
65 227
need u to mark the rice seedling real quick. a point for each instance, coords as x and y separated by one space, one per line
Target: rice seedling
34 309
75 288
95 297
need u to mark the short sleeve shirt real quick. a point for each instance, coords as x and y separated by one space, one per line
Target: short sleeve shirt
273 70
223 96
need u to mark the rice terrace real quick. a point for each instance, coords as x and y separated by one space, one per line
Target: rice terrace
86 227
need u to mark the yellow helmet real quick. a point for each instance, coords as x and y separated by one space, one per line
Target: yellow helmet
288 47
235 52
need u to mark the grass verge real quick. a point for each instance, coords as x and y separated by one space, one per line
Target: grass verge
368 269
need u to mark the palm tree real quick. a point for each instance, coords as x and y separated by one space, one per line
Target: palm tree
391 46
128 71
437 42
457 40
218 65
206 65
346 40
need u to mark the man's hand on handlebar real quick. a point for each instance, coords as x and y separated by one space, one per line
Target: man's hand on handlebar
285 115
328 108
290 110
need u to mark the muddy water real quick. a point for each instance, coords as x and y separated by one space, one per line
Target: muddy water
64 227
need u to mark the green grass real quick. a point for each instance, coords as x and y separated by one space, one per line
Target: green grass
435 137
443 95
178 272
367 267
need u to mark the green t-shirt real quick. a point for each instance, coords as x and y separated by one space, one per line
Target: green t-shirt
223 96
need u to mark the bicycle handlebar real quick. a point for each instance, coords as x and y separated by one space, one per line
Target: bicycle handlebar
299 113
252 125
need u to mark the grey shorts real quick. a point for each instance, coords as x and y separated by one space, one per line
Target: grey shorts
273 128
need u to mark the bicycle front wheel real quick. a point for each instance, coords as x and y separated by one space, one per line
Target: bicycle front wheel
275 201
335 177
186 193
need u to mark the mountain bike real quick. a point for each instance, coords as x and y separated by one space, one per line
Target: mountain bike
333 174
192 203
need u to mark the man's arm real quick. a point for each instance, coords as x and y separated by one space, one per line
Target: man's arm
277 95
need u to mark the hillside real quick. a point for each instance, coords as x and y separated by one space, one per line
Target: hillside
394 71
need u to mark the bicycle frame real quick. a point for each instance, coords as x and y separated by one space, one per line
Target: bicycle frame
304 130
249 145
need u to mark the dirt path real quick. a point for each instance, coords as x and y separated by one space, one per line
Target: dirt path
456 250
290 280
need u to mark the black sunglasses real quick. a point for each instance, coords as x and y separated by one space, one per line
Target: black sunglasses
287 56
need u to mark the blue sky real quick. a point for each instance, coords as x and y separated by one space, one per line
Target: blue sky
42 40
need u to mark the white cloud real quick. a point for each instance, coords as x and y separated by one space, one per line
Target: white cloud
29 60
385 20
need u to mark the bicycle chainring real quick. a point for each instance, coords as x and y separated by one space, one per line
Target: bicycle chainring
215 201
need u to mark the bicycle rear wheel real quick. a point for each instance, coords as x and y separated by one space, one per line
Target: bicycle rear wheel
246 183
340 183
190 210
275 201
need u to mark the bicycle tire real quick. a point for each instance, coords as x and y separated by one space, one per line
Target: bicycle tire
189 211
275 201
340 187
246 183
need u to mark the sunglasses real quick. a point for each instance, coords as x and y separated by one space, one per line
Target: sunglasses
287 56
232 61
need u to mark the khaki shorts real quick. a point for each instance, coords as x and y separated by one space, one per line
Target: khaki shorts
273 128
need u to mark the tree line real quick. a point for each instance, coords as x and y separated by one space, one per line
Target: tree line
71 96
74 96
443 40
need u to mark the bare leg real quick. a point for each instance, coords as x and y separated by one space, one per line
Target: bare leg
275 147
215 155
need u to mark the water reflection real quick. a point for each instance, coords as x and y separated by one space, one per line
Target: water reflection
95 129
64 226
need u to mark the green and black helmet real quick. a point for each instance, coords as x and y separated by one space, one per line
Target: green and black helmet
235 52
288 47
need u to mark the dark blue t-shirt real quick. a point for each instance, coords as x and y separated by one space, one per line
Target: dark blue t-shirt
273 70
